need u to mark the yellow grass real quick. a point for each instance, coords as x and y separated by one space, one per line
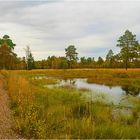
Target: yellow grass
64 113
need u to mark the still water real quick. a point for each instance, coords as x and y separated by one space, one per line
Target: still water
114 94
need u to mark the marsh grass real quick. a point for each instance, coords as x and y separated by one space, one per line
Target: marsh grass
83 73
44 81
109 77
65 113
84 89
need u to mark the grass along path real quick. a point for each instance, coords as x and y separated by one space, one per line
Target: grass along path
5 114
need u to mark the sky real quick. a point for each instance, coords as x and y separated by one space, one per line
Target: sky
49 26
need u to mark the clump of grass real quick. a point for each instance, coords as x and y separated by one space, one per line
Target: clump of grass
44 81
120 75
84 89
117 131
68 87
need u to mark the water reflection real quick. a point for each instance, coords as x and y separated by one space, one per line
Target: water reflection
81 83
69 81
115 94
130 90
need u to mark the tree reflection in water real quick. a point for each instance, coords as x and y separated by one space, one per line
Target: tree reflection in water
71 82
130 90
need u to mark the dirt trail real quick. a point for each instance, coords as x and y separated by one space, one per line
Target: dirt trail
5 114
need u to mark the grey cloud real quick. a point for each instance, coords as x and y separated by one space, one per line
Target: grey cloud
50 26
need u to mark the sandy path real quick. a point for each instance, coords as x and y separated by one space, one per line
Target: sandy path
5 114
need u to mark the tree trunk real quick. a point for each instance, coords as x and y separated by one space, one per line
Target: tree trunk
126 64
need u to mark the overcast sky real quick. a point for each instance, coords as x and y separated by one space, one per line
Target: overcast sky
49 26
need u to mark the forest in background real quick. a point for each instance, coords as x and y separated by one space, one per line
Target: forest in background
128 57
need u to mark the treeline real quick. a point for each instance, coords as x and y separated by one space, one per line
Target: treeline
128 57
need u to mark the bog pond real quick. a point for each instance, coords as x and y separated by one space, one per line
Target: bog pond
115 94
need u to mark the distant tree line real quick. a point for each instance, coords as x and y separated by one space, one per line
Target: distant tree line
128 57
